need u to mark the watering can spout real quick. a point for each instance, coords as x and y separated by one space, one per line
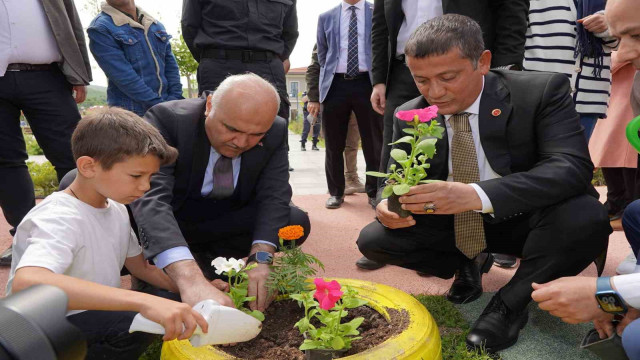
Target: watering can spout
226 325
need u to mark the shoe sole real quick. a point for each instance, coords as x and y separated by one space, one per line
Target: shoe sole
370 268
467 300
506 266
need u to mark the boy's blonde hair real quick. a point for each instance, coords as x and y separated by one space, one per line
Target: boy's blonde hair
111 135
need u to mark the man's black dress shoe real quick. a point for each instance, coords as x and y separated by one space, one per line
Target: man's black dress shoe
367 264
467 284
334 202
497 328
505 261
5 257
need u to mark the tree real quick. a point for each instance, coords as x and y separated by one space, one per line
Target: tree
186 63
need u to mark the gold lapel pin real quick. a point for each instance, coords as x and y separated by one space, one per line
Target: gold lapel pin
496 112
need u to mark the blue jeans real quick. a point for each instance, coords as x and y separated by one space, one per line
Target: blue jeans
630 340
588 122
631 225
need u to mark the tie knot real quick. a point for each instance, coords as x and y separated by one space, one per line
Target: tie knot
353 8
460 122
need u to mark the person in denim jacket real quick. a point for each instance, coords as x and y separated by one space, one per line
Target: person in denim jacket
133 50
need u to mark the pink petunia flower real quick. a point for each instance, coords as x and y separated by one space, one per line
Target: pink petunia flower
327 293
424 115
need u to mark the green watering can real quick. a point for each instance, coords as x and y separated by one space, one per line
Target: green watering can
632 133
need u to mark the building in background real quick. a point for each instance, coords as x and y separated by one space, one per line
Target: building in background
296 84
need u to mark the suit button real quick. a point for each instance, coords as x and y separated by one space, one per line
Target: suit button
146 245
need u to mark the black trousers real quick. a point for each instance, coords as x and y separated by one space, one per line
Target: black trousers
400 89
45 99
560 240
108 335
230 235
623 187
344 97
211 72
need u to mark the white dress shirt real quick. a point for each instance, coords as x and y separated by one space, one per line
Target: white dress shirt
628 286
178 253
345 18
485 170
416 12
25 34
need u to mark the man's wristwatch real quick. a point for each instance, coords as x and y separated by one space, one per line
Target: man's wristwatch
261 257
608 299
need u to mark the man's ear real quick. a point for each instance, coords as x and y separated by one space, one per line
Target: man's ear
207 109
484 63
87 166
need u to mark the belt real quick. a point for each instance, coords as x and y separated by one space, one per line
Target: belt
31 67
344 76
244 55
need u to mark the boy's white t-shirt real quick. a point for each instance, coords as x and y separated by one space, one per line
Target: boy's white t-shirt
70 237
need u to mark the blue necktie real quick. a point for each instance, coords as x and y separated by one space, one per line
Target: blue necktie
352 50
222 179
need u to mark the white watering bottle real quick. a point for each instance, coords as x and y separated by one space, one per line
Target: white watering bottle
226 325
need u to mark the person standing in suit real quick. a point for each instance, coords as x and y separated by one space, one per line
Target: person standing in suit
503 25
226 195
515 178
44 70
344 55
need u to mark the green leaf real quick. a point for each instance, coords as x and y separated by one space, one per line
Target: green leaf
310 345
387 191
409 131
377 174
428 147
257 314
399 155
337 343
405 139
401 189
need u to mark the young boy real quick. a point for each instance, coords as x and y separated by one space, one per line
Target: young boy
78 239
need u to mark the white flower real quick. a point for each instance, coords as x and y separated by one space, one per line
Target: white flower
222 265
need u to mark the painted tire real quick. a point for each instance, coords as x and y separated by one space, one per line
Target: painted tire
420 341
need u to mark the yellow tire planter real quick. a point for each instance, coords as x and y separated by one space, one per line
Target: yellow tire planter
420 341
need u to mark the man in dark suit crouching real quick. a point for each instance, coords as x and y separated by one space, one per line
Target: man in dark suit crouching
226 195
516 179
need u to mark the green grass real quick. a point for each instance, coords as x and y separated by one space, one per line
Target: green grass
598 178
453 329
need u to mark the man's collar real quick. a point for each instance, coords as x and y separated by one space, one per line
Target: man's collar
119 18
359 5
474 109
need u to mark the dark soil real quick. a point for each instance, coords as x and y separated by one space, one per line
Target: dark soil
280 340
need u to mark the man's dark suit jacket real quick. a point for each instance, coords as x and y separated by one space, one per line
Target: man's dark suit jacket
503 23
536 142
263 180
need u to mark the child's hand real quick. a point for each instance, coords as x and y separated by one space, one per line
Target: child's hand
595 23
178 319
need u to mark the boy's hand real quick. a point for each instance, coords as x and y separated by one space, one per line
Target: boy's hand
595 23
178 319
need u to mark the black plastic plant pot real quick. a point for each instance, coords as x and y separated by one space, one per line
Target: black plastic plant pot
321 354
395 206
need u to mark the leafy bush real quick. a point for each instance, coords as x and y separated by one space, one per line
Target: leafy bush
33 148
45 180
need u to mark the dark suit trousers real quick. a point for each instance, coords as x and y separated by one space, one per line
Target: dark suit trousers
211 72
45 99
230 235
560 240
345 96
400 89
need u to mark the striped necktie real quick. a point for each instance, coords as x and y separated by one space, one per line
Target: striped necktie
352 51
468 226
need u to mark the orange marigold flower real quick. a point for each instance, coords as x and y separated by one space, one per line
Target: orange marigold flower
291 232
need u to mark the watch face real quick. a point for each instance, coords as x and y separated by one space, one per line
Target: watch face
610 302
263 257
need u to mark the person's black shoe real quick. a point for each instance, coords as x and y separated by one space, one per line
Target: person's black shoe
467 284
497 328
368 264
303 147
373 202
505 261
314 147
334 202
5 257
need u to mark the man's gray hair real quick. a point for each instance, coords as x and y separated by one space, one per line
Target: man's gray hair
443 33
249 83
